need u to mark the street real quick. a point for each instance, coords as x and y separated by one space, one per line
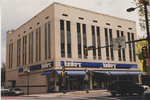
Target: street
81 95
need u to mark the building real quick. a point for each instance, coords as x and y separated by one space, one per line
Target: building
57 37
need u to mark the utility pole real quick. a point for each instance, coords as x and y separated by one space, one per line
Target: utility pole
145 3
146 20
64 79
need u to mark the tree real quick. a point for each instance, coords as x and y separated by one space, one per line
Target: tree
3 69
142 25
141 14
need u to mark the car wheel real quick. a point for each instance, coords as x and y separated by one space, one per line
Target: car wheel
113 94
123 94
130 94
140 93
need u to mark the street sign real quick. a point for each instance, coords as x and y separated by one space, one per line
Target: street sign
119 43
86 77
90 47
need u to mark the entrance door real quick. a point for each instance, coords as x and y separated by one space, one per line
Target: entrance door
50 83
73 84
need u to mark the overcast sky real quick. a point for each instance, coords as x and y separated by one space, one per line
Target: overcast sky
17 12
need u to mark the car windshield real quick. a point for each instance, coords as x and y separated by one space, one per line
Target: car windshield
4 87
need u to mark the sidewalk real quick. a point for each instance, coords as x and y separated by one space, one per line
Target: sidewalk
68 93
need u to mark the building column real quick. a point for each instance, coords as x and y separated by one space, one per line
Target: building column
90 78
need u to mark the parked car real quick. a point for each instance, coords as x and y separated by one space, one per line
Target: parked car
147 95
15 91
4 90
124 88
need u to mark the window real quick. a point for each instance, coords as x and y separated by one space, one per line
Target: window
81 18
106 43
45 41
133 46
95 21
111 43
130 50
98 42
24 46
93 42
31 47
18 52
65 15
79 40
10 55
62 36
49 41
123 50
119 51
39 43
25 50
37 36
84 38
68 39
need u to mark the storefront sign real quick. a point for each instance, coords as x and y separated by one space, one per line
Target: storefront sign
46 65
109 65
26 69
71 64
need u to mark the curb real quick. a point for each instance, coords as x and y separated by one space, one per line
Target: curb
61 94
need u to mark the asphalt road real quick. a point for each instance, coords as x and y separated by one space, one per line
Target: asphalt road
88 96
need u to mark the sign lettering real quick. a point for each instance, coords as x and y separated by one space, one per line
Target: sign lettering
109 65
71 64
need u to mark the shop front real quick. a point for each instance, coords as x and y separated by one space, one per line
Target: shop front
99 75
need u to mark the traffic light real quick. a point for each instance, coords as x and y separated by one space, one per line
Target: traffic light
85 51
144 52
144 1
63 68
63 73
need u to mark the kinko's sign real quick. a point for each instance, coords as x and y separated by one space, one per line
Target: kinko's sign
71 64
109 65
46 65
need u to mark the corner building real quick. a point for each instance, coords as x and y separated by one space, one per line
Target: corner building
57 37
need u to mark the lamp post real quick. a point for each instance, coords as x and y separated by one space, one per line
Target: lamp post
28 72
87 80
145 3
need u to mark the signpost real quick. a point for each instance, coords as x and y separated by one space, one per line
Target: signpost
119 43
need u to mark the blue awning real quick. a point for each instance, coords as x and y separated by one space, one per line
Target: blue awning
47 72
134 72
101 72
72 72
118 72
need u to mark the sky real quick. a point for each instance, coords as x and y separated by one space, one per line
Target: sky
14 13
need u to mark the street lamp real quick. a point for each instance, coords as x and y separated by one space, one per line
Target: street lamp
145 3
87 80
132 9
28 72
